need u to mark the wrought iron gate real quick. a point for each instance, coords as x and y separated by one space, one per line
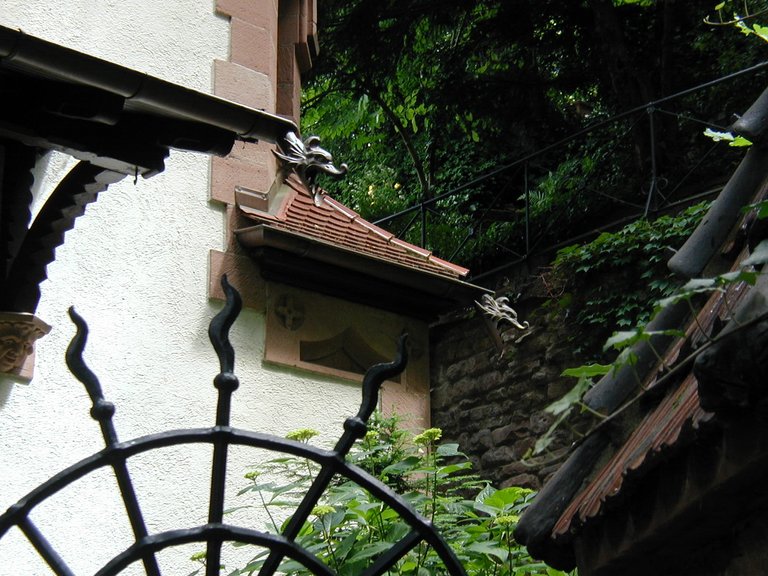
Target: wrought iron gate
221 436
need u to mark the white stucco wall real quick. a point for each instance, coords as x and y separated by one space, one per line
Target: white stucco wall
135 267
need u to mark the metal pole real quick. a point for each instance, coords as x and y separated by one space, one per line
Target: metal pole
653 163
423 225
527 210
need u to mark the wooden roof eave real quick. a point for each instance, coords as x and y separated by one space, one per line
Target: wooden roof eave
86 100
339 272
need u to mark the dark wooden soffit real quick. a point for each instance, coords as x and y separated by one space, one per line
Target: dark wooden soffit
52 97
291 258
117 121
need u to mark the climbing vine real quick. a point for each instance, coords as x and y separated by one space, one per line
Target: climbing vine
613 281
622 342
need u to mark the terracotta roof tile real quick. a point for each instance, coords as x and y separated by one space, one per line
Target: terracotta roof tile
676 418
337 224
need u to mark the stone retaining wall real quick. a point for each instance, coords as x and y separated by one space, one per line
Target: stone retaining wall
491 402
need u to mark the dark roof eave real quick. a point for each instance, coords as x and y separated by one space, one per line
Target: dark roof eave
452 292
535 527
38 58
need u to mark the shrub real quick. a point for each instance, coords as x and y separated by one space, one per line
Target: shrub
349 528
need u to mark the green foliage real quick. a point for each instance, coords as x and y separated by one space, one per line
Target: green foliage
742 18
349 528
623 341
735 141
616 277
422 97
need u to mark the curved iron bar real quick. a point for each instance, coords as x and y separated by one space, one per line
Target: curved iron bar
218 329
223 532
226 383
221 436
122 451
102 411
354 428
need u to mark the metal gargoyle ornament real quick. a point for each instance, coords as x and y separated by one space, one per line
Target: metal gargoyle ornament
308 160
500 311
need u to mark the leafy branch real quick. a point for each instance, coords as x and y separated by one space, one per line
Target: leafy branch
349 528
624 341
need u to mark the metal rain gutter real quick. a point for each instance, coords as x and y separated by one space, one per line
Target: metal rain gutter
33 55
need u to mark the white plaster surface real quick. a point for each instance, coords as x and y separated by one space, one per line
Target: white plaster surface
135 267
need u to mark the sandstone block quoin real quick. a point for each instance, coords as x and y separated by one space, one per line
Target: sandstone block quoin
258 12
244 86
254 47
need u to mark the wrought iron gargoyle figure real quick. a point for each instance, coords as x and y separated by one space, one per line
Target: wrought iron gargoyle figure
497 311
500 311
308 159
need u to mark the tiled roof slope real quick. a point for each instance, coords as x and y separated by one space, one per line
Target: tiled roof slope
333 223
675 422
639 475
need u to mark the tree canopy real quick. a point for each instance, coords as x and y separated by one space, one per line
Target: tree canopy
424 97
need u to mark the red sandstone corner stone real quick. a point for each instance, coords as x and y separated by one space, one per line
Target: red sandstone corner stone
289 23
289 99
258 12
287 67
242 273
254 47
243 85
226 173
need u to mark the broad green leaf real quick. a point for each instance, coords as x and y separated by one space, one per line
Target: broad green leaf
739 142
544 441
588 370
624 339
370 550
761 31
512 494
570 398
448 450
761 207
747 276
718 136
346 545
451 468
759 255
485 493
490 549
406 465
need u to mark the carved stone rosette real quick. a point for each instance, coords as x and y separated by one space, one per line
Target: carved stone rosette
18 333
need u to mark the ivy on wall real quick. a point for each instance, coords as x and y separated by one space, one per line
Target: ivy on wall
613 281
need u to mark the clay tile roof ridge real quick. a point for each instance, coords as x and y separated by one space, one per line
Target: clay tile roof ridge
301 200
359 219
460 270
339 207
411 248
